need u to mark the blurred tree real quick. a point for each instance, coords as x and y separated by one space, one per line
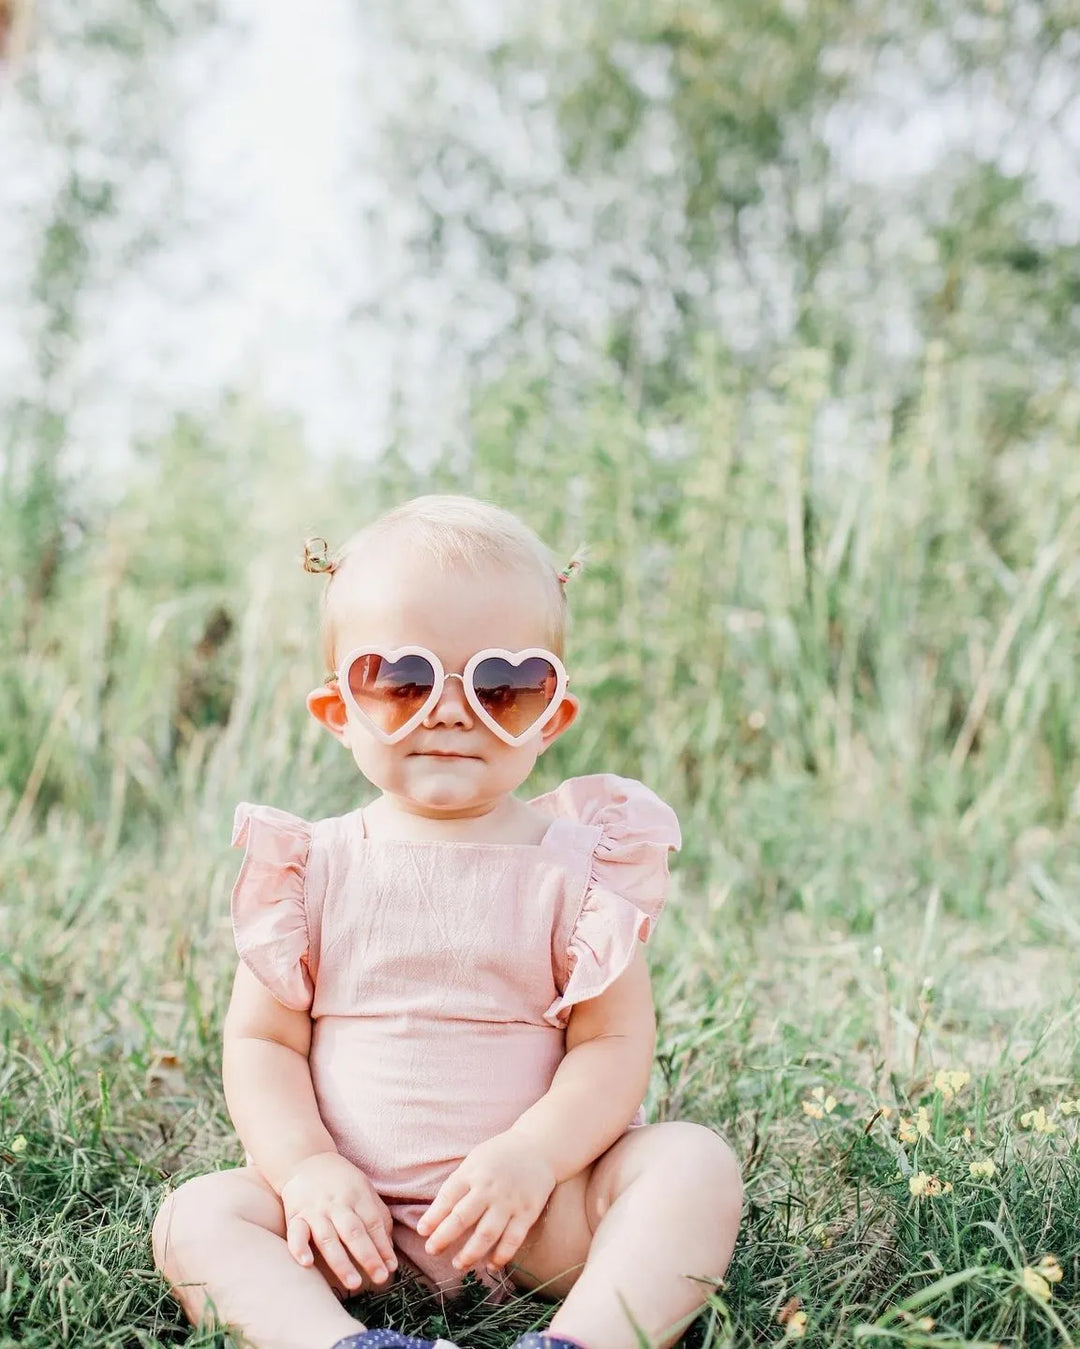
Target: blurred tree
90 99
618 179
101 195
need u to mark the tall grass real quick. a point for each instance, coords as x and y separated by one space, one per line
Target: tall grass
835 630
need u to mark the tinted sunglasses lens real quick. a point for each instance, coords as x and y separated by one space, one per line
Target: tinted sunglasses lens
516 696
390 691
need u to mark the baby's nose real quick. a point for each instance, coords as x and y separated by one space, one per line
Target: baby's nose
452 709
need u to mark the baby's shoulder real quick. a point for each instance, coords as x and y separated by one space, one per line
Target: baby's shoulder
626 832
255 824
288 856
612 810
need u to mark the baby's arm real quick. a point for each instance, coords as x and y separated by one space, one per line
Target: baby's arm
502 1186
599 1085
271 1100
268 1082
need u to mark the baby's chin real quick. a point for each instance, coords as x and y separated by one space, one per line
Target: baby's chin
447 784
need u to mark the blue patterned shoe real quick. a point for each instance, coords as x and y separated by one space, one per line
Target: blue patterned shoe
389 1339
536 1339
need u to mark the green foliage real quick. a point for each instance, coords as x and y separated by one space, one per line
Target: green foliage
856 685
830 612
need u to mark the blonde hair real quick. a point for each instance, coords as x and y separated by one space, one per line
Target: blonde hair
453 531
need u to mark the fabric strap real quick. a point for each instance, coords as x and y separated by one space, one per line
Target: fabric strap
389 1339
536 1339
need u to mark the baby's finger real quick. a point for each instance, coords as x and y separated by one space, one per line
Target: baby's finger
378 1229
487 1232
335 1254
517 1229
298 1240
357 1241
453 1189
455 1225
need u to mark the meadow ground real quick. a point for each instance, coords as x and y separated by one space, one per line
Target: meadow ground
812 1025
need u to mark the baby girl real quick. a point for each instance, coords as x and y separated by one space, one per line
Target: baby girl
441 1027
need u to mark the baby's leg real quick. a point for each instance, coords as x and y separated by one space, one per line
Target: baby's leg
635 1234
220 1242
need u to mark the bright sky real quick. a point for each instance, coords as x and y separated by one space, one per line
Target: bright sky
255 291
272 153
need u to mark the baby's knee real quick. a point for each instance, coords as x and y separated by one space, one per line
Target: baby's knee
706 1161
168 1226
191 1216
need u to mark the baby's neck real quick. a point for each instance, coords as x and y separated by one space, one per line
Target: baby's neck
507 820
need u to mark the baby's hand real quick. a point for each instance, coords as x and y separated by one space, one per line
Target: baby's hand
332 1203
499 1190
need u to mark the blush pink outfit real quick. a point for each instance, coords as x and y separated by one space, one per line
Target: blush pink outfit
440 976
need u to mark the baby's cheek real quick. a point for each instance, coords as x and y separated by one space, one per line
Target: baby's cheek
381 768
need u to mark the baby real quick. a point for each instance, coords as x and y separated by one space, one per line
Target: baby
441 1027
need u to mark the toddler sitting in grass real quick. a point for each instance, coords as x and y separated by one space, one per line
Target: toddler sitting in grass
441 1027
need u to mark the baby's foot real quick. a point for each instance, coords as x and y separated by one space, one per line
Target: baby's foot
389 1339
536 1339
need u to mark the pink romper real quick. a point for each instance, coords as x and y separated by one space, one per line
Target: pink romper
439 976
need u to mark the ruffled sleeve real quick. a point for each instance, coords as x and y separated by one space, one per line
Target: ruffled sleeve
627 885
268 912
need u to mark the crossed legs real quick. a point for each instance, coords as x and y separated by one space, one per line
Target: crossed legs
634 1239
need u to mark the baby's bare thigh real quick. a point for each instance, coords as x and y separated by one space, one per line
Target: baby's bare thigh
553 1254
199 1205
550 1258
202 1203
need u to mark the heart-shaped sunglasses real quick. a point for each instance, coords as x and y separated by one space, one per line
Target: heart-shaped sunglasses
514 693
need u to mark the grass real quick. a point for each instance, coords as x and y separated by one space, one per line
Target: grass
110 1079
858 689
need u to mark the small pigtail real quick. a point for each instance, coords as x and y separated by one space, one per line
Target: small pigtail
317 559
574 566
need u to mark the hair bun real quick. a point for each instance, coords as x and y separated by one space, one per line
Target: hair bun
574 566
317 559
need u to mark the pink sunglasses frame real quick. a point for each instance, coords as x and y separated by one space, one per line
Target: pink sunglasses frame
466 677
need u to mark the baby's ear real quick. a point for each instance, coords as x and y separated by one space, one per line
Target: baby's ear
327 706
563 719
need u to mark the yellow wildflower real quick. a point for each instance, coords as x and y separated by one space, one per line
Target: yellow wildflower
984 1169
1034 1284
821 1234
967 1135
791 1315
18 1143
1050 1269
926 1323
951 1081
910 1131
819 1105
1037 1120
1072 1107
922 1185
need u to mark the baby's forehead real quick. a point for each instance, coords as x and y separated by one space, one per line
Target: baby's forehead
454 611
